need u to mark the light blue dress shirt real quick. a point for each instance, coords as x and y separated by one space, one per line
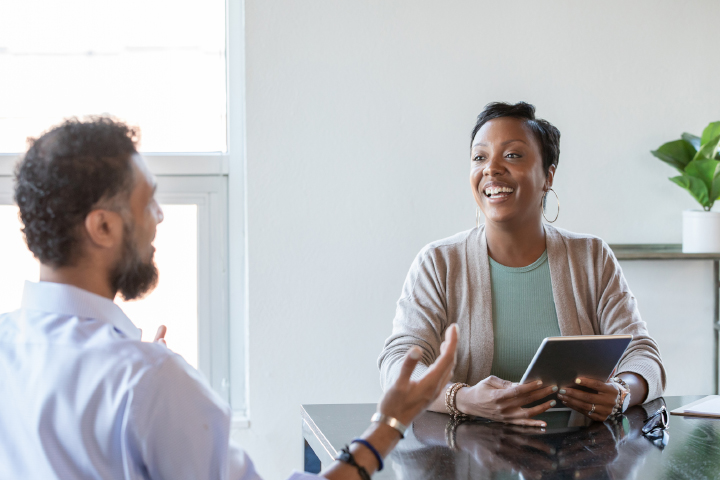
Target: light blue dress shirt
81 397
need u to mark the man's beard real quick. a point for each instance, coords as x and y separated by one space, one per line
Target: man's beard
132 278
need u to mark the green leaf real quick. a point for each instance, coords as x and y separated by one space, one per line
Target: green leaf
707 150
715 190
693 140
676 154
710 132
703 169
696 187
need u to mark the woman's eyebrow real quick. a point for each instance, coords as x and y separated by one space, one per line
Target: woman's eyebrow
481 144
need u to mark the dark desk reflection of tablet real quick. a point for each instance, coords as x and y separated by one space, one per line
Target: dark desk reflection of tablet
560 360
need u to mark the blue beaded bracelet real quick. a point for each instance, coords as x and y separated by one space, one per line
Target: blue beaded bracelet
372 449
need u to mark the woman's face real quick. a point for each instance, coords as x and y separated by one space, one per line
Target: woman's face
506 171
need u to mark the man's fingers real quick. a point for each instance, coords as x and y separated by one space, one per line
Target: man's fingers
412 357
160 335
451 335
445 380
446 361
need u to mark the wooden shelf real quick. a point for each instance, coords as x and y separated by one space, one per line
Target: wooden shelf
657 251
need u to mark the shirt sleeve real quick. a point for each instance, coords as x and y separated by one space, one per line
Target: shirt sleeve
179 428
420 319
303 476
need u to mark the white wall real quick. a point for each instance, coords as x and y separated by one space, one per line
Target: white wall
358 121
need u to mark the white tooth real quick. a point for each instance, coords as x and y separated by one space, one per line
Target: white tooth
496 190
505 189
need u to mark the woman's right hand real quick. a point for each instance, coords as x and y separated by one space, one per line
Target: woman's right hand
500 400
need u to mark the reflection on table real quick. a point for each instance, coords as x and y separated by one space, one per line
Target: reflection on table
571 447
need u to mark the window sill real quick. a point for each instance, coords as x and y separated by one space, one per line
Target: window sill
240 422
159 163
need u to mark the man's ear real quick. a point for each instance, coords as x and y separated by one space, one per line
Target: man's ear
104 228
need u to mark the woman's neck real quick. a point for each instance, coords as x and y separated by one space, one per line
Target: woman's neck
516 245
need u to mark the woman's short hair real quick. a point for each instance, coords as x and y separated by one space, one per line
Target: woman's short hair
546 133
64 175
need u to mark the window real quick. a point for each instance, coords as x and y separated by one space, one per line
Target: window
175 300
174 83
113 57
15 258
191 296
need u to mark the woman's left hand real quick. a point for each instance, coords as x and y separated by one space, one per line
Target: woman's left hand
583 402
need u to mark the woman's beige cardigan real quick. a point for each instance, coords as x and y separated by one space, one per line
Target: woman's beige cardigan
449 282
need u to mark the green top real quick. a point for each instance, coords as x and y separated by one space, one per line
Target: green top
523 314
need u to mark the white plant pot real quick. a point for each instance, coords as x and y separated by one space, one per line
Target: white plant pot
701 232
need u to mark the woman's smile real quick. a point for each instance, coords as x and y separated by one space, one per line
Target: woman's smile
496 192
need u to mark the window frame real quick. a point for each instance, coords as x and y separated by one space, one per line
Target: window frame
216 180
209 194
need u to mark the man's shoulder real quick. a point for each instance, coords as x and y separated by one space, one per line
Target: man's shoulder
164 377
160 366
8 325
149 354
89 343
123 362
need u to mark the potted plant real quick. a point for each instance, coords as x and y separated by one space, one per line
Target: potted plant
698 160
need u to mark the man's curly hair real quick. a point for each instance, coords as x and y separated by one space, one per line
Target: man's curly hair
64 175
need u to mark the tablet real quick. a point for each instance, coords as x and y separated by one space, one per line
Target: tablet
560 360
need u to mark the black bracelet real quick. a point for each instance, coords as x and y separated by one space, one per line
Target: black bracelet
369 446
347 457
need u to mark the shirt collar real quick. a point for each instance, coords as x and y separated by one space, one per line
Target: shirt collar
69 300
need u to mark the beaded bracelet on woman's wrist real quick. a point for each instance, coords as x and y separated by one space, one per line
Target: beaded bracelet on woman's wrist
451 399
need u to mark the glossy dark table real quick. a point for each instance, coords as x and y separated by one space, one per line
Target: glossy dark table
489 450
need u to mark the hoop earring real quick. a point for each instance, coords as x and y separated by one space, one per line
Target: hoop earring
542 206
477 217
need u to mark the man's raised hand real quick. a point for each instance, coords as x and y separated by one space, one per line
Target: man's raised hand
407 398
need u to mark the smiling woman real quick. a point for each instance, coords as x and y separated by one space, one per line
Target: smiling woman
513 281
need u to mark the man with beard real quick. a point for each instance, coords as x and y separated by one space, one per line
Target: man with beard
80 395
